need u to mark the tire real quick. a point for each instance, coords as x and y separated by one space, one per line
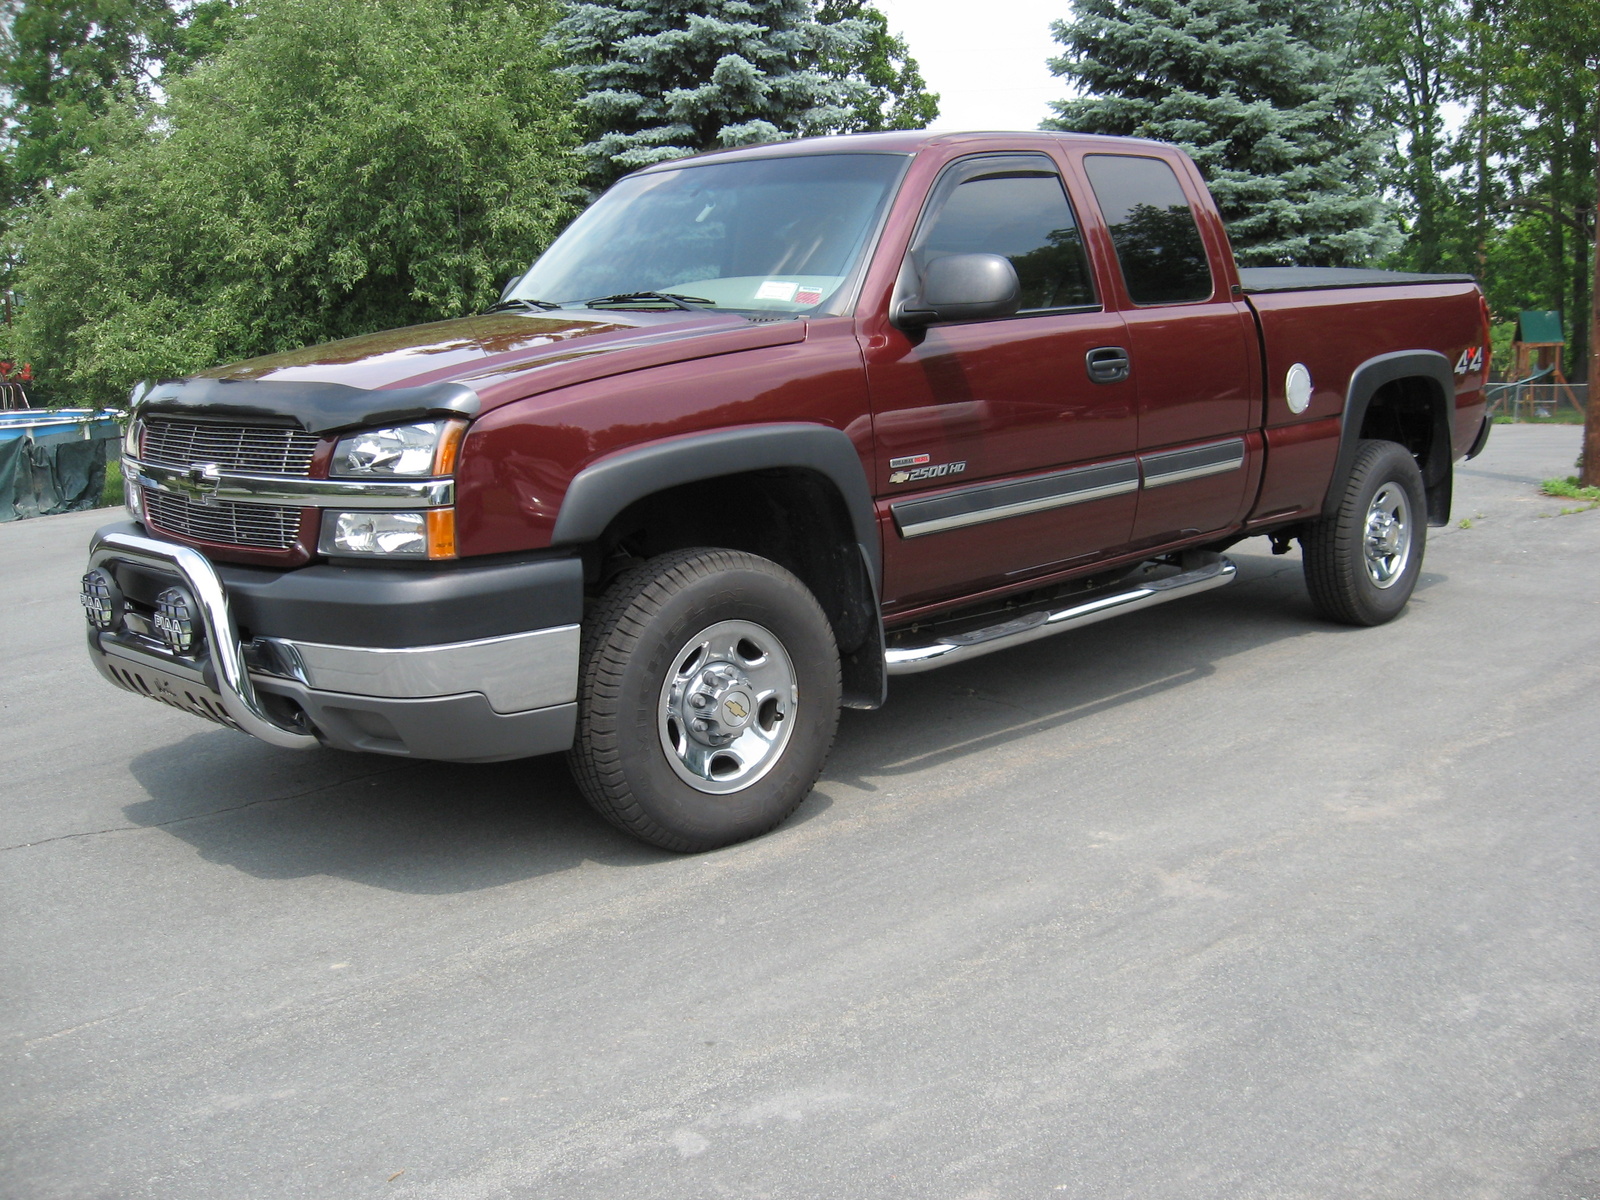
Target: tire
708 699
1362 560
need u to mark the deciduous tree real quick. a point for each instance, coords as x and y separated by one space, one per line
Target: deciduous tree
340 166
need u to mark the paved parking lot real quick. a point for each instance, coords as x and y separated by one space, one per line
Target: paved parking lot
1212 901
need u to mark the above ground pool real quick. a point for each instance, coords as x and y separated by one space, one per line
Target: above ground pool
54 459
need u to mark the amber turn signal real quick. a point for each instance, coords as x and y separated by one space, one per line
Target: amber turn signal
441 533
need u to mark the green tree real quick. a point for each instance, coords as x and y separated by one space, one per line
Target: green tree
664 78
340 166
895 96
1266 95
62 62
1419 43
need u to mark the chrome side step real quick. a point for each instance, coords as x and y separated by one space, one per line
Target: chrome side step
909 660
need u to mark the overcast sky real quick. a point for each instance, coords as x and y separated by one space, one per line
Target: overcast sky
985 58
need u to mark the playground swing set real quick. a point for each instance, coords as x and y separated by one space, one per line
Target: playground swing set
1537 388
12 394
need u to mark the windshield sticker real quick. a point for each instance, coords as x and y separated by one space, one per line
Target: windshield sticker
776 289
808 295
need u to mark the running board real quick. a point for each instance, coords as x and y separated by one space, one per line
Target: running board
909 660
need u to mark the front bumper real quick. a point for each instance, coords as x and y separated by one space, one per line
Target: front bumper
480 695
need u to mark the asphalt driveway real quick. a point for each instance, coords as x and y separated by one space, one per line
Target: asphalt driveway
1212 901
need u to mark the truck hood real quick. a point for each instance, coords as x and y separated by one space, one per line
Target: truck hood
468 365
422 354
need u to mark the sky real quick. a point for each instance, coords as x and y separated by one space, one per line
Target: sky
985 58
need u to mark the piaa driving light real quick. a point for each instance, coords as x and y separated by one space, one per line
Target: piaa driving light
101 599
403 451
175 619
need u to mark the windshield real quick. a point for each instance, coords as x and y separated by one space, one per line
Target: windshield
773 235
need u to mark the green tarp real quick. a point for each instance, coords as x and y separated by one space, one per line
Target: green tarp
52 461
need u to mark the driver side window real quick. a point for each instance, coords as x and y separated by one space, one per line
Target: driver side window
1015 207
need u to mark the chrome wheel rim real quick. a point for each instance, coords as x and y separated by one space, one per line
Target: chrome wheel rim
1387 540
727 707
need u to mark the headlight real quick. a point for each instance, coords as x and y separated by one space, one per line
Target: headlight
131 436
426 448
430 533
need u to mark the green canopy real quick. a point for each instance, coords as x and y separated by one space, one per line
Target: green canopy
1540 325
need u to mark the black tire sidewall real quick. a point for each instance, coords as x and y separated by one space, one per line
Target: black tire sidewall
1384 463
784 608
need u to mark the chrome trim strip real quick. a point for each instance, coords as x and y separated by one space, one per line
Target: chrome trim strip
222 634
1077 485
299 493
1196 462
912 660
517 672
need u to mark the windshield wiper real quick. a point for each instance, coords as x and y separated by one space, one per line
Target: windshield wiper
622 299
520 302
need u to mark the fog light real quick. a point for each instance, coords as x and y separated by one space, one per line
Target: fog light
175 619
101 599
385 533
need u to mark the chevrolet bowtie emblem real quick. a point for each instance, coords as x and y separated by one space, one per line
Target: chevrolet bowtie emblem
202 480
737 709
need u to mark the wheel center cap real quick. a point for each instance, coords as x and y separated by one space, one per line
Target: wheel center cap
736 708
720 703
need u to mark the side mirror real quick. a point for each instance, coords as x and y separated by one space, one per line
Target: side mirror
963 287
510 285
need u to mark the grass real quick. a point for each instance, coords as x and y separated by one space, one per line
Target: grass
1569 489
111 494
1561 416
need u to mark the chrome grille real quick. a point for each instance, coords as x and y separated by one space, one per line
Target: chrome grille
252 449
263 526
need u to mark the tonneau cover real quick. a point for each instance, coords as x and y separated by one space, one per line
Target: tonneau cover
1310 279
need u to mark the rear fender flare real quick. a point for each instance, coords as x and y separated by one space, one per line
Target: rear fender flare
1434 369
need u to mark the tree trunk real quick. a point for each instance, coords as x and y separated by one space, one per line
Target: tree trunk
1480 220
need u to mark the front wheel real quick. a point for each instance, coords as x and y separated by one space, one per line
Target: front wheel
708 699
1362 560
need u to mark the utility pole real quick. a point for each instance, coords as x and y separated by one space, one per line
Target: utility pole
1589 471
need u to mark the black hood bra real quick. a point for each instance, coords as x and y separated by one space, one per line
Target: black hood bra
315 407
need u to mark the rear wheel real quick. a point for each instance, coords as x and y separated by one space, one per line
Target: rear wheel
708 699
1363 559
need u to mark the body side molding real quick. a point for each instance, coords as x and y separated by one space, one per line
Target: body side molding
982 502
1196 462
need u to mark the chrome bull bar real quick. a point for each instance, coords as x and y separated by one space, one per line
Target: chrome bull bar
222 634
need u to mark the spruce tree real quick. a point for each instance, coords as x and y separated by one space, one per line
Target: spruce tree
1266 96
665 78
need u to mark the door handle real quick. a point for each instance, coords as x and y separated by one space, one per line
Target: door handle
1107 364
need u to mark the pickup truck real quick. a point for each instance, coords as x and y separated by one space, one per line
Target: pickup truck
761 429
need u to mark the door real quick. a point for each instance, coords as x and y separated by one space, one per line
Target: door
1192 347
999 456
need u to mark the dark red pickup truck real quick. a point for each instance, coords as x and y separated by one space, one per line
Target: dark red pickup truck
760 430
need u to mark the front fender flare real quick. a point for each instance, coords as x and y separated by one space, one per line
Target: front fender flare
604 488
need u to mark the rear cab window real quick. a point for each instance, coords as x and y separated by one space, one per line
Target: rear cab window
1153 229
